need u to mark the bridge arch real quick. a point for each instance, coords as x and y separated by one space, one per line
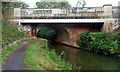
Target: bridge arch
67 33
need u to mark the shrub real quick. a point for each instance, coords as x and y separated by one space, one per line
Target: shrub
102 43
46 33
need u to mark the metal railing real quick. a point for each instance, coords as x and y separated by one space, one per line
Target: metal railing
89 12
61 13
116 11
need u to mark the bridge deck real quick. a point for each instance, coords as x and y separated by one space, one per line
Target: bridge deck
61 20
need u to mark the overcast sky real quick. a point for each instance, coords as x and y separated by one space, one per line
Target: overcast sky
89 3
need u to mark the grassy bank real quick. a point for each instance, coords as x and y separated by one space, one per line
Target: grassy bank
10 33
39 56
7 52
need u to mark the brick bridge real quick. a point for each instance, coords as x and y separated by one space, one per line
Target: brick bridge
68 22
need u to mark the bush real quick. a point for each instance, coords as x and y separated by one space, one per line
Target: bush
46 33
102 43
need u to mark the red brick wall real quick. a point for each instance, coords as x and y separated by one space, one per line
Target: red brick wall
72 34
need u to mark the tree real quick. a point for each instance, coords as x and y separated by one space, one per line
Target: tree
46 33
53 5
81 3
7 7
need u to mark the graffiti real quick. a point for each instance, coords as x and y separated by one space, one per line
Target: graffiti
115 24
20 27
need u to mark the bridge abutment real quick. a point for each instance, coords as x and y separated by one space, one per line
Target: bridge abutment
107 27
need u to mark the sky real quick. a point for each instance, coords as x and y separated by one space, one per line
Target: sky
89 3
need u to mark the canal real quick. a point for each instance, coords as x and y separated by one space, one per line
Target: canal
86 60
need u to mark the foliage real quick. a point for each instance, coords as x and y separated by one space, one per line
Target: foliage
10 33
39 56
46 33
7 7
81 3
6 53
102 43
53 5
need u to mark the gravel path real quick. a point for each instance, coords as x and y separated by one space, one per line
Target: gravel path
15 61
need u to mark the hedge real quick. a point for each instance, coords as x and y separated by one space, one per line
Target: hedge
101 43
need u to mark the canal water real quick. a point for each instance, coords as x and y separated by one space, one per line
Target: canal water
85 59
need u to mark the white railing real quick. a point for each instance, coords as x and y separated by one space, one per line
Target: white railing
96 12
83 13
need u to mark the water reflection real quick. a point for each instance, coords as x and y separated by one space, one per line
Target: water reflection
87 60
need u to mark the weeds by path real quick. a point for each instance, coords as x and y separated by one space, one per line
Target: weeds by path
7 52
39 56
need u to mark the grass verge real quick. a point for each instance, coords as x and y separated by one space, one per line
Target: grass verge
6 53
10 33
39 56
